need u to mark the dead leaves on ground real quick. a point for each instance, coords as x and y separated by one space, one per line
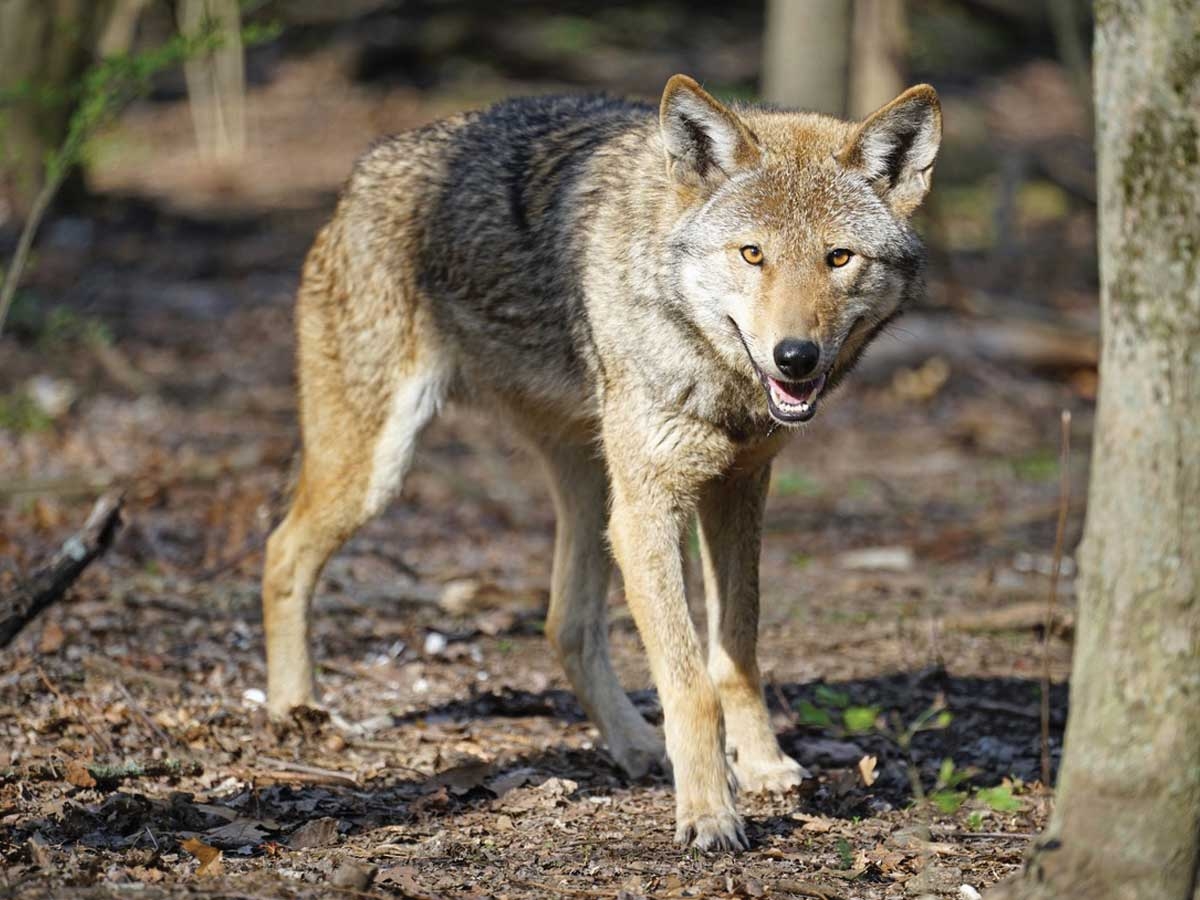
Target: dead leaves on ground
209 857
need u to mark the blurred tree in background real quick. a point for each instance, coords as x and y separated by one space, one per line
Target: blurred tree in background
216 82
839 57
45 46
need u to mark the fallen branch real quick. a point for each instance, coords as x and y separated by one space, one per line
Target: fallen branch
1024 616
167 768
285 770
807 889
1024 343
50 582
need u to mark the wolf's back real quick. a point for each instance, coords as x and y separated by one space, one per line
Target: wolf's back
496 208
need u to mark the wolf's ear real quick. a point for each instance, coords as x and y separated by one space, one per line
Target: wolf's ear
895 148
705 142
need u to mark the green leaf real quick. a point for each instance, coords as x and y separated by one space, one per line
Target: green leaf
845 853
975 820
948 802
943 720
813 715
860 718
951 777
1000 798
832 697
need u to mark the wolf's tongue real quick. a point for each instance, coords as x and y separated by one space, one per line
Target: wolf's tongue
796 393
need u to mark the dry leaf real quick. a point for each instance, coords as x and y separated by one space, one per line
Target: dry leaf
316 833
403 877
464 778
210 858
866 768
814 824
78 774
52 638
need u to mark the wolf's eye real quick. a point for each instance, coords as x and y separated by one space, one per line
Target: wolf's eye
752 255
838 258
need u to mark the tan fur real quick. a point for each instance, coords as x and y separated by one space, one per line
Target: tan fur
654 412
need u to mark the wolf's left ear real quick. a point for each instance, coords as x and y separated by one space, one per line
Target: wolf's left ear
705 142
895 148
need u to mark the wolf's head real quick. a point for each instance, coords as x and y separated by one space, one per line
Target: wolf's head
793 249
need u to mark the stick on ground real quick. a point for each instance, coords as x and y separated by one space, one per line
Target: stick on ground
47 585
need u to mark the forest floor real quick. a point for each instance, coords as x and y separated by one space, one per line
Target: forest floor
905 567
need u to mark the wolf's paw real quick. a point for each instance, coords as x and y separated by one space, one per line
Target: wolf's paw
776 774
639 754
721 830
282 704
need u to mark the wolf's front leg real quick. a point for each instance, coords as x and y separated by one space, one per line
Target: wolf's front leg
730 538
651 506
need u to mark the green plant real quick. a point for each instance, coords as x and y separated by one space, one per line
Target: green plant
860 719
934 718
845 854
104 90
20 414
64 326
1000 798
812 715
945 794
853 719
831 696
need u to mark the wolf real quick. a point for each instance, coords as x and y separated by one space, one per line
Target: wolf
655 299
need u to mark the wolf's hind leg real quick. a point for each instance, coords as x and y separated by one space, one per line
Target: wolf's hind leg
351 469
730 535
577 624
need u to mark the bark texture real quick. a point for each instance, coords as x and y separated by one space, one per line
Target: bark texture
807 54
1127 821
879 55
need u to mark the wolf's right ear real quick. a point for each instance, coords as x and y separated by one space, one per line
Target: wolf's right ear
705 142
895 147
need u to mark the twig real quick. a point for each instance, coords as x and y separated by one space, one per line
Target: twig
167 768
1064 497
50 582
261 777
550 890
25 243
992 835
807 889
295 768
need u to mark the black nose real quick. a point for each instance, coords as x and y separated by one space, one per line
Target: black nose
796 359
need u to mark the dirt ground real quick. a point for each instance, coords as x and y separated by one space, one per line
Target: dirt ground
905 567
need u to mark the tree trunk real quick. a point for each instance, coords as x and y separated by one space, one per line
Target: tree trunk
879 54
1127 820
216 82
807 49
45 45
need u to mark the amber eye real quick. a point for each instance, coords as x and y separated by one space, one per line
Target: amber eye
838 258
752 255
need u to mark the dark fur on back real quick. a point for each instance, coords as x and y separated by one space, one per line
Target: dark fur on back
503 238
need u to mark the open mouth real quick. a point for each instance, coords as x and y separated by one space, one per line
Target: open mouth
789 401
792 401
